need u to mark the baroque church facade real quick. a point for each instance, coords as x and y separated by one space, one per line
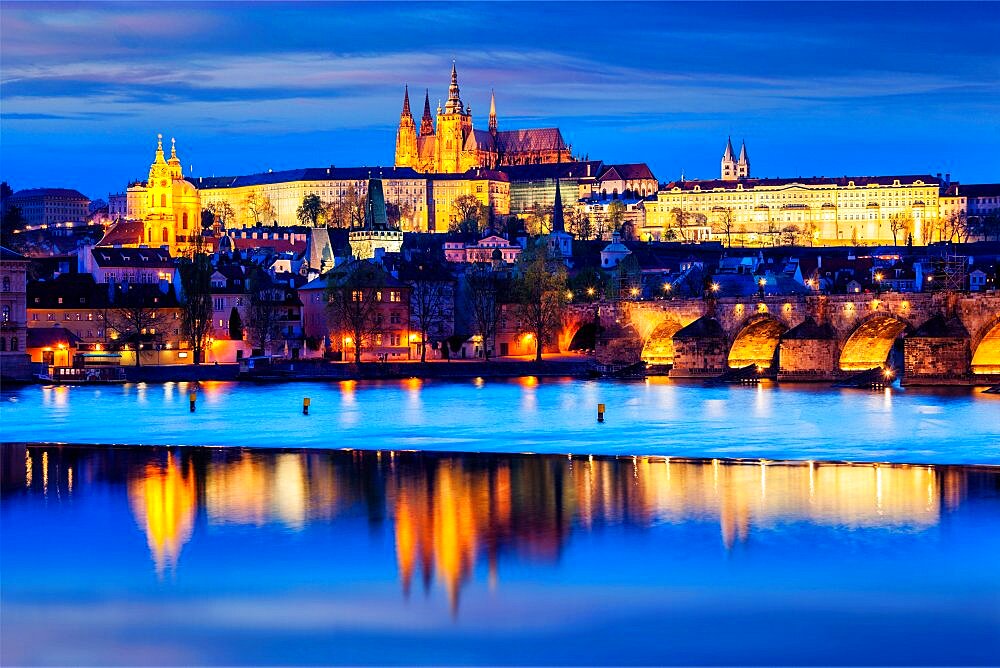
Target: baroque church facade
451 145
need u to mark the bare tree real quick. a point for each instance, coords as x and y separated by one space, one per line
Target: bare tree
263 310
578 223
135 314
540 294
259 206
431 301
900 222
726 225
484 292
353 304
196 310
223 212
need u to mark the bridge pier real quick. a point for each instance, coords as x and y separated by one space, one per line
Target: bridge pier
937 353
808 352
701 350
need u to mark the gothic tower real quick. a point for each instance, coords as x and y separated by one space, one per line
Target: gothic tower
427 122
743 166
729 162
406 135
454 125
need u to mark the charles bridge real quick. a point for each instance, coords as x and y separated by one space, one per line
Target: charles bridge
928 338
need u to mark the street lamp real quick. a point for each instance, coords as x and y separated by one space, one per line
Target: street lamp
878 281
761 283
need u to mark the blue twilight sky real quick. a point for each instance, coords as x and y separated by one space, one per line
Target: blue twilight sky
814 88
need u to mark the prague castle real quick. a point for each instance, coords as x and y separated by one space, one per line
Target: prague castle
452 145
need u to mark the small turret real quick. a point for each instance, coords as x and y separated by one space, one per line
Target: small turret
159 151
493 113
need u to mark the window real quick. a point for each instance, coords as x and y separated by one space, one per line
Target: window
6 283
184 221
163 201
5 314
378 295
50 316
394 339
357 296
394 296
13 344
34 316
166 236
394 318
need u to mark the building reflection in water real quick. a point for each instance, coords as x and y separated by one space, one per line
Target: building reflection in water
452 513
163 499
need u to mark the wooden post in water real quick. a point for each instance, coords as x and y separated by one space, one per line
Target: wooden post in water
192 397
600 412
305 406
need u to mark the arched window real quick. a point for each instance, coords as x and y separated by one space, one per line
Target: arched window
184 221
166 236
13 344
163 201
6 283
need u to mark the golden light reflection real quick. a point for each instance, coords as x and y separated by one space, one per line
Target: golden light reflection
164 501
449 514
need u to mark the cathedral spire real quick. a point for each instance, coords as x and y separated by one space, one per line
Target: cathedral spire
427 122
454 104
173 152
493 112
744 158
728 155
558 224
406 101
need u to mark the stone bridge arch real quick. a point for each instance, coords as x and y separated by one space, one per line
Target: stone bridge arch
871 340
755 341
986 349
658 348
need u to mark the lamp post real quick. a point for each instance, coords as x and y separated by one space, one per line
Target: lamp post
878 282
761 282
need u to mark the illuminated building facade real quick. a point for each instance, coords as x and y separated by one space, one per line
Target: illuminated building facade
13 315
453 145
832 211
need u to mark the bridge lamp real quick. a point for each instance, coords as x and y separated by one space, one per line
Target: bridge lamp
715 287
590 292
635 292
887 373
569 295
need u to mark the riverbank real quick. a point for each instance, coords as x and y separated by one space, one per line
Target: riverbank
320 370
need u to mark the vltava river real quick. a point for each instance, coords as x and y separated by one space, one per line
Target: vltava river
184 556
526 415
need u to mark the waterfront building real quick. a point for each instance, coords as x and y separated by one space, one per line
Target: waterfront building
49 206
452 145
99 315
385 321
13 315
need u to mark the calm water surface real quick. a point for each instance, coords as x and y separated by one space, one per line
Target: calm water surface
526 415
155 555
